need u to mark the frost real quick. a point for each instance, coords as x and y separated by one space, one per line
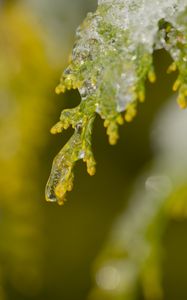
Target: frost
111 60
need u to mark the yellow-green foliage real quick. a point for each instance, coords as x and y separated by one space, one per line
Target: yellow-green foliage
133 255
24 78
110 62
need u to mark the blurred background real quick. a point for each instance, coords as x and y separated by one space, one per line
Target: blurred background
122 233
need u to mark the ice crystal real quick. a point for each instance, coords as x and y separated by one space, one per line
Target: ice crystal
111 59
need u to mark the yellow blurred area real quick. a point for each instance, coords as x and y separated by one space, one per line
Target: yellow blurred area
25 76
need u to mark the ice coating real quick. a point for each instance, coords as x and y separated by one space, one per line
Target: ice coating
110 62
113 42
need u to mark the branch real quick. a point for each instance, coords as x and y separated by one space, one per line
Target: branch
110 63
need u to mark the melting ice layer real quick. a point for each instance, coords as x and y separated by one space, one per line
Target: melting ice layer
110 62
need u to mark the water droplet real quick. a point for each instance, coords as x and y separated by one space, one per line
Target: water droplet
82 154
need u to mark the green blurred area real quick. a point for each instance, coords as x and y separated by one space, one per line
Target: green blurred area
47 251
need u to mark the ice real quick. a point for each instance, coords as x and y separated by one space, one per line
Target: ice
110 62
135 22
